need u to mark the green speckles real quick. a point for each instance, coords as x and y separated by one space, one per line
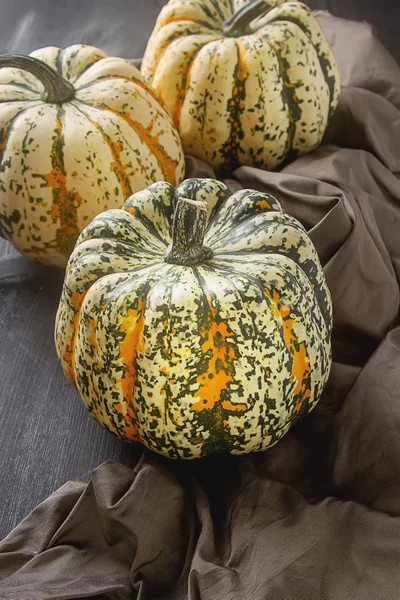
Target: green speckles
300 66
15 187
7 222
221 358
6 164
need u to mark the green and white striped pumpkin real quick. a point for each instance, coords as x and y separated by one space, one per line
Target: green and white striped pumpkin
79 133
248 83
195 321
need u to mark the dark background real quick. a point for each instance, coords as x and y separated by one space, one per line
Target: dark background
46 435
121 27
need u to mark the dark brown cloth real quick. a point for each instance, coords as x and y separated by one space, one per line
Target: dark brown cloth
316 517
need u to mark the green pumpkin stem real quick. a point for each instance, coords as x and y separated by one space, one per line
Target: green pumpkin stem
56 89
188 231
239 23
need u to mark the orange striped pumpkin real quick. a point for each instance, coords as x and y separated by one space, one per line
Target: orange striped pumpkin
196 321
248 83
79 133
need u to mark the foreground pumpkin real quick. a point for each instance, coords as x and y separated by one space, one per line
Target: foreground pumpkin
194 321
79 132
247 83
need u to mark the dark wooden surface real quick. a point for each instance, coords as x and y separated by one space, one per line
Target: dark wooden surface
46 435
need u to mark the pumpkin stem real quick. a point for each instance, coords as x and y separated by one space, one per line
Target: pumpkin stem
239 23
188 231
56 89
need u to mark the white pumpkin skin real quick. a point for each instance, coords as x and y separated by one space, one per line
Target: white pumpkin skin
63 163
223 355
254 99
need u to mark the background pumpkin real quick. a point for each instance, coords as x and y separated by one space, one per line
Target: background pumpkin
247 83
194 345
75 139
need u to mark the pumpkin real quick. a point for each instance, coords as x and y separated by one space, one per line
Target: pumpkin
195 321
247 83
79 133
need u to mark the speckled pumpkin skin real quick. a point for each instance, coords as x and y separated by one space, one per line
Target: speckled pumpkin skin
61 164
221 357
253 100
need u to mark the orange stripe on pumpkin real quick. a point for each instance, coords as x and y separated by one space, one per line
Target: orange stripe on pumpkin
132 326
301 371
165 162
68 356
139 82
65 202
120 170
242 65
182 90
219 371
178 20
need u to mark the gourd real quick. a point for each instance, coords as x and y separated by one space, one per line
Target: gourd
195 321
79 133
248 83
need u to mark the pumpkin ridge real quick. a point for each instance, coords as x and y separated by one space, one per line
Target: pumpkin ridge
323 60
147 223
230 150
115 245
174 37
133 342
73 77
219 364
288 97
299 358
166 164
187 20
185 85
322 102
246 206
217 208
218 373
75 301
292 256
137 213
5 132
23 86
209 12
320 303
116 167
6 223
138 82
129 347
165 206
102 230
217 7
24 150
65 202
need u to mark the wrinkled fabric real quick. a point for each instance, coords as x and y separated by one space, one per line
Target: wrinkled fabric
318 515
